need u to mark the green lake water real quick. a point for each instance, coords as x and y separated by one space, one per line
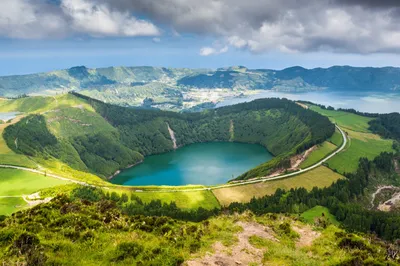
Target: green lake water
201 163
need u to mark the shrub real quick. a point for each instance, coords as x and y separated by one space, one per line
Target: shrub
127 249
6 235
87 193
26 242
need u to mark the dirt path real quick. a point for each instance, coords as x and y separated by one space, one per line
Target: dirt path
34 199
387 205
307 236
379 190
242 253
172 134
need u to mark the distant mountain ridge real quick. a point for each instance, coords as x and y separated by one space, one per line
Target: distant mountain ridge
171 87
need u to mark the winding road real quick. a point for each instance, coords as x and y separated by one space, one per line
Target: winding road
258 180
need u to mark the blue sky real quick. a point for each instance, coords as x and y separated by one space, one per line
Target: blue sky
43 35
31 56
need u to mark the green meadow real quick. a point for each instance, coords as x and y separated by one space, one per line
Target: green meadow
318 154
310 215
344 119
361 141
18 182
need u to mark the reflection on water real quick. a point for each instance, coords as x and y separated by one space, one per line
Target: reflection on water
372 102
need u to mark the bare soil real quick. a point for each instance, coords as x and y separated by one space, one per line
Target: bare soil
242 253
307 236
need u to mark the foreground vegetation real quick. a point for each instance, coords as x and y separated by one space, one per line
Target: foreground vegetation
56 233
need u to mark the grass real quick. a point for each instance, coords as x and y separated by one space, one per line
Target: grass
41 104
310 215
17 182
70 122
336 138
184 199
318 154
359 145
319 177
361 142
11 205
344 119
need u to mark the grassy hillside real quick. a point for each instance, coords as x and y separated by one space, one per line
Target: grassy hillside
346 120
362 143
313 214
69 225
97 138
320 152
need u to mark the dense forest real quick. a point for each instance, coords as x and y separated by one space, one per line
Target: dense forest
280 125
387 125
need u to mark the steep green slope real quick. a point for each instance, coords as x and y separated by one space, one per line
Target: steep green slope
102 138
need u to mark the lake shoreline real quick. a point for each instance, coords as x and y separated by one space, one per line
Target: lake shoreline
119 171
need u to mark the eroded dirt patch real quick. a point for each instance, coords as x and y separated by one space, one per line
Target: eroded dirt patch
307 236
242 253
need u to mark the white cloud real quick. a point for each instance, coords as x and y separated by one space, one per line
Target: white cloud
156 40
30 19
99 20
206 51
25 20
345 26
342 26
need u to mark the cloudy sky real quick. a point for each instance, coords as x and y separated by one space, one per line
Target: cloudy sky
41 35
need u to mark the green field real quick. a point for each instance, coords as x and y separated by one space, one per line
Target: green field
318 154
345 119
359 145
10 205
310 215
361 142
336 138
319 177
17 182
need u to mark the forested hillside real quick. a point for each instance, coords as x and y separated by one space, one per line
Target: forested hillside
103 138
387 125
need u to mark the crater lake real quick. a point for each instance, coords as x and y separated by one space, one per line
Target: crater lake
197 164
